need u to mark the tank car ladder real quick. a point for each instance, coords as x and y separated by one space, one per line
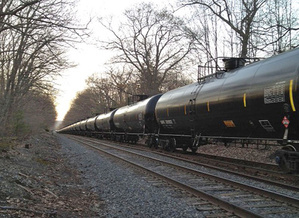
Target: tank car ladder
192 117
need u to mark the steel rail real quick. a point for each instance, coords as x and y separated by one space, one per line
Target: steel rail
270 182
286 199
201 194
270 194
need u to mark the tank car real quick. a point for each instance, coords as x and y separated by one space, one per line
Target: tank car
70 129
258 101
135 120
104 125
82 127
67 129
76 128
90 126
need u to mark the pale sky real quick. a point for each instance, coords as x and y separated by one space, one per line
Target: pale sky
88 58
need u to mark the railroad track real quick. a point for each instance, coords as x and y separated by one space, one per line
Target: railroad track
228 194
267 173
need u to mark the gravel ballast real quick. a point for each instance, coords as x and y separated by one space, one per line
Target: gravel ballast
125 191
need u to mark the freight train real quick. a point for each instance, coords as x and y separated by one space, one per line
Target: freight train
258 101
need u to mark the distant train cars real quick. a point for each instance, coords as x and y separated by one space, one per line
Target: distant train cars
255 102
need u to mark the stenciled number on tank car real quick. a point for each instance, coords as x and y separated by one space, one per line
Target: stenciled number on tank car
275 93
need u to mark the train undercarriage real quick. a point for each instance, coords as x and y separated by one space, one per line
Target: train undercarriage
172 142
287 157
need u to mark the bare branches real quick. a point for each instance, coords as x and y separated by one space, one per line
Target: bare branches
33 35
153 42
17 8
257 24
224 11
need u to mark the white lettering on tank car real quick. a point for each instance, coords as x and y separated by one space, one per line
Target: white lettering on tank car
168 122
162 122
275 93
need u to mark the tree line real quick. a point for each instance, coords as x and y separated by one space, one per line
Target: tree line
156 49
33 38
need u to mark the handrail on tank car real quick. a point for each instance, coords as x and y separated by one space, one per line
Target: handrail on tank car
212 69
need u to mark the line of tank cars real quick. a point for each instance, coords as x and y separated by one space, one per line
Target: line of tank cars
259 101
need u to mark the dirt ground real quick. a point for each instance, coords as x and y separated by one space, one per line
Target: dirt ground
35 181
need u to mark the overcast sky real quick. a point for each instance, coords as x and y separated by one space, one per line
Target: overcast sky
88 57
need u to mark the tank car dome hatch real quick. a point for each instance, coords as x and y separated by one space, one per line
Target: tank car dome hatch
233 63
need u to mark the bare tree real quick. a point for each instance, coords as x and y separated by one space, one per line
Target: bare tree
260 25
153 42
123 82
32 37
205 29
114 90
36 113
105 92
10 8
240 18
85 105
280 30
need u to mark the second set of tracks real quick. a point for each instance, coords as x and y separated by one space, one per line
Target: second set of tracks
227 194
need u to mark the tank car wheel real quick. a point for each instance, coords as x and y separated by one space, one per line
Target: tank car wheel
185 148
172 145
290 148
193 149
283 165
164 144
120 139
282 161
136 139
149 142
152 142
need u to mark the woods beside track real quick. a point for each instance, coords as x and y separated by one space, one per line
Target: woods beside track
45 177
